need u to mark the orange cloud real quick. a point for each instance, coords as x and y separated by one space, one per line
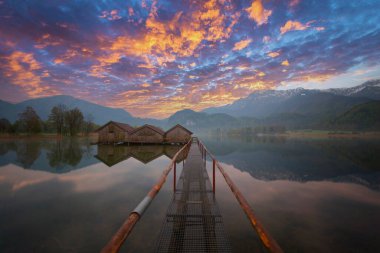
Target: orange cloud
241 44
257 12
150 102
273 54
145 85
261 74
164 41
21 68
285 63
293 25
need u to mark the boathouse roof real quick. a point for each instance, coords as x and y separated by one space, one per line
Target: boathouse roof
154 128
180 126
122 126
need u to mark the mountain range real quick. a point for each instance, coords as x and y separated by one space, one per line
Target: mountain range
42 106
294 108
262 104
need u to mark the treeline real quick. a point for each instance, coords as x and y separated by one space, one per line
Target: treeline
250 131
62 121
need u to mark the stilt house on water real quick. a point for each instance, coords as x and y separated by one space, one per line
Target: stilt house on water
116 132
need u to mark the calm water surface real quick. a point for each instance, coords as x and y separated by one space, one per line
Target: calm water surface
69 196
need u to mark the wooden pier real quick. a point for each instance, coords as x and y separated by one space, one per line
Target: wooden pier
193 222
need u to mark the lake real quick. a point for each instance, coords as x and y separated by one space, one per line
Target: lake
312 195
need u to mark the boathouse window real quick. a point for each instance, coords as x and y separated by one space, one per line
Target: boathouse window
111 129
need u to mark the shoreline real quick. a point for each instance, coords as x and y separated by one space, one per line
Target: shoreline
331 134
41 136
312 134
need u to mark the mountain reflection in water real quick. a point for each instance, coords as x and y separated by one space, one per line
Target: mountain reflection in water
303 160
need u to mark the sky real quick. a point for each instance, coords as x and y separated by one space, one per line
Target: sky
153 58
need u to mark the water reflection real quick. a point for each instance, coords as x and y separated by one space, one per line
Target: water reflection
55 196
56 156
64 155
111 155
312 195
271 158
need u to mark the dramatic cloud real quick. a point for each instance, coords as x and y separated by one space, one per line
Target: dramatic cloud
257 12
155 57
241 44
23 70
285 63
292 26
273 54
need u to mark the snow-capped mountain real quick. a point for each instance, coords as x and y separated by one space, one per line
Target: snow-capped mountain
331 102
370 89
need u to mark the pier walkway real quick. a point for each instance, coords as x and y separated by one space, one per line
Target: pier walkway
193 222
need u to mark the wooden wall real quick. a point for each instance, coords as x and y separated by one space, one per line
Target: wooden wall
146 135
177 134
111 134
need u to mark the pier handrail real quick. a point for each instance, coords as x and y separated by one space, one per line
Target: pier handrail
265 237
121 235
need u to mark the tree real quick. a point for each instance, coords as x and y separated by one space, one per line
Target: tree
74 121
57 117
30 121
89 125
5 126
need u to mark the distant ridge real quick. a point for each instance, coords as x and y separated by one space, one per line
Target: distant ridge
331 102
295 108
363 116
102 114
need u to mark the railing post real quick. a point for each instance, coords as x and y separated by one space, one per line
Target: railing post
174 176
205 158
213 175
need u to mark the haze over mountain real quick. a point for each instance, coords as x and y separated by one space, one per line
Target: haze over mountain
101 114
295 108
301 101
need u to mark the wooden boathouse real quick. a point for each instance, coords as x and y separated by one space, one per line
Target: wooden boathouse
116 132
177 134
147 134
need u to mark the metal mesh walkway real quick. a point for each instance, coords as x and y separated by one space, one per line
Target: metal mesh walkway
193 222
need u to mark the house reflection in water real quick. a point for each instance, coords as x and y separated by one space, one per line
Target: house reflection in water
111 155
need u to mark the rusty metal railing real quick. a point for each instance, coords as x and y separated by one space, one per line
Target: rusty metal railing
121 235
264 236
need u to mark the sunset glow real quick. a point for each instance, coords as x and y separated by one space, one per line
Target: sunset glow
153 58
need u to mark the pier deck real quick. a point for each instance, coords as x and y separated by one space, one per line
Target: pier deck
193 222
